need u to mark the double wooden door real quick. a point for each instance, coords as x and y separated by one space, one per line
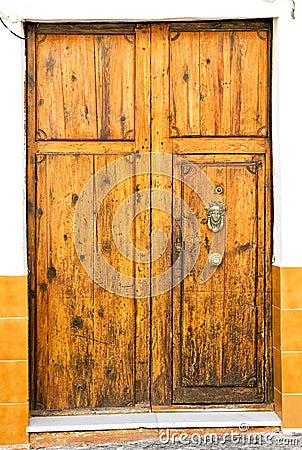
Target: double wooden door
186 100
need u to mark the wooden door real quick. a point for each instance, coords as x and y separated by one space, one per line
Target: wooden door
210 94
88 107
97 95
219 348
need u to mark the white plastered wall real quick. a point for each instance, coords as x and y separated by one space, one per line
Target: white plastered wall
286 105
12 155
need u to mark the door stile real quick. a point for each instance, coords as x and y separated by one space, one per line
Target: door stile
268 233
161 305
143 223
31 200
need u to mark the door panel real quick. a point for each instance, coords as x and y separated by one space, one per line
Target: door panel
66 107
218 83
85 86
221 320
114 316
185 84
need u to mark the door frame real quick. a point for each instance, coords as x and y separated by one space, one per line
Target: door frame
31 142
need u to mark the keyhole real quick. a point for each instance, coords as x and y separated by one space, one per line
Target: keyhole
219 190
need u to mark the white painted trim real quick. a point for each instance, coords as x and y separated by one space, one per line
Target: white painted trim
204 419
292 430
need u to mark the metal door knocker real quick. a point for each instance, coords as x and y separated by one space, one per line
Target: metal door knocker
216 212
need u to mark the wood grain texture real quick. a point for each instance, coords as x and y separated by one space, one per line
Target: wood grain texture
229 25
142 222
86 335
233 71
115 65
64 292
85 28
161 305
218 83
223 145
160 100
66 107
114 319
184 84
143 89
87 147
31 200
85 87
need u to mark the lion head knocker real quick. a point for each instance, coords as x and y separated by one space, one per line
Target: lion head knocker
216 212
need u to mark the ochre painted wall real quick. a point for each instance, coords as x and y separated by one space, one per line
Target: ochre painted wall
287 344
13 360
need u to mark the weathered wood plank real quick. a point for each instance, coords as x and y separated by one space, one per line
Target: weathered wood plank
202 339
80 147
142 89
161 305
65 340
160 99
252 85
31 199
115 78
142 222
229 25
267 279
85 28
214 83
234 83
114 321
241 245
222 145
241 350
184 84
214 397
41 304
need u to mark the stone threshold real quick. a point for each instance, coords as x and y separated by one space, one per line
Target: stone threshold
243 420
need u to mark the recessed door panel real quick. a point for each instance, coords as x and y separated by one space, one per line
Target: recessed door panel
220 345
